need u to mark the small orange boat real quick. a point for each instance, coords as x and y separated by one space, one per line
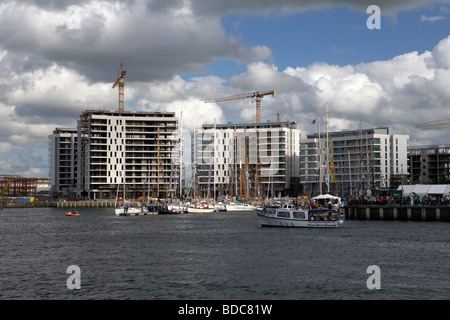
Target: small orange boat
72 213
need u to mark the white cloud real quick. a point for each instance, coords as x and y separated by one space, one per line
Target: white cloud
441 54
194 111
425 18
54 92
397 72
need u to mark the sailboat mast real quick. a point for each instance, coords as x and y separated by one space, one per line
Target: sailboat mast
367 161
235 162
320 162
214 163
327 146
148 185
194 180
181 155
158 169
124 168
240 169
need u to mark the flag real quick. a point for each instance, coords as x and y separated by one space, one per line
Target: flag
314 121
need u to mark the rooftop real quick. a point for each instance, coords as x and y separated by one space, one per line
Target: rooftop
252 125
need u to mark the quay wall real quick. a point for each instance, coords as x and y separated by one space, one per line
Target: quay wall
398 213
65 204
88 204
35 204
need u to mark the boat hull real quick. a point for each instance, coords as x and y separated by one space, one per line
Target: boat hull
273 221
220 208
131 211
239 208
72 214
200 210
177 209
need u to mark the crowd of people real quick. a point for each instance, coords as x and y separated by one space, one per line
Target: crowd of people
426 200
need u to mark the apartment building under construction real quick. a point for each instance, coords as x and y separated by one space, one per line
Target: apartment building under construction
117 152
249 160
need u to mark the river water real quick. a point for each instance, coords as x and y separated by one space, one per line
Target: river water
216 256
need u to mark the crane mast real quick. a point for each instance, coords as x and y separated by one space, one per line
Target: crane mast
121 83
256 94
6 187
434 123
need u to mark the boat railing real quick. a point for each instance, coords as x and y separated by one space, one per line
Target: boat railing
321 214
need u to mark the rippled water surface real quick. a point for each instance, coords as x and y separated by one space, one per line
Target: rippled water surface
216 256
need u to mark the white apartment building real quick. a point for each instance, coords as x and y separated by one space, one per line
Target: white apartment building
352 162
113 151
137 151
63 162
399 152
248 160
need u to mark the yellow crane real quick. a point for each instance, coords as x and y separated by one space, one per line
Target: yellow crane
121 83
6 186
256 94
434 123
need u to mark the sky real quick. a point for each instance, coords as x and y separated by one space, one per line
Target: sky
388 67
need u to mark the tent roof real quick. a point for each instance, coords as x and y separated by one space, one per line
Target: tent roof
407 189
437 189
324 196
423 189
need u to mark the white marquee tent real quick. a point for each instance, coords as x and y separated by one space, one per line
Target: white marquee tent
425 189
324 196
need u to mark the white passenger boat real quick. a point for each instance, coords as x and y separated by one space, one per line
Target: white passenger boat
129 211
288 216
240 207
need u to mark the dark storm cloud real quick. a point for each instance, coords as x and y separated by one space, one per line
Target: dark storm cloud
154 43
61 4
208 7
155 39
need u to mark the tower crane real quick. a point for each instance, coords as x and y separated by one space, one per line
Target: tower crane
256 94
6 187
434 123
121 84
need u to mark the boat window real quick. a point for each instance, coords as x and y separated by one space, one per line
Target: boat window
284 214
299 215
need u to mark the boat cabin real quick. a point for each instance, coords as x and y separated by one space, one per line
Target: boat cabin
288 211
288 206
